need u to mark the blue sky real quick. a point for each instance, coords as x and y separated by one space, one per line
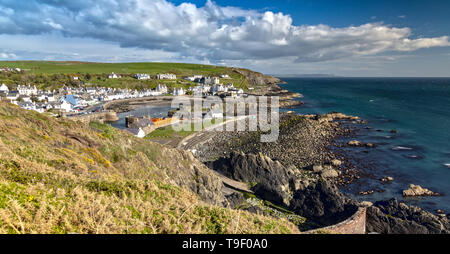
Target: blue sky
347 38
418 14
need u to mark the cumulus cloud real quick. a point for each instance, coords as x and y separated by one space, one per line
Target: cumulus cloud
7 56
211 32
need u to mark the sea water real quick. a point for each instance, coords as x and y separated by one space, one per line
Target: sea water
417 108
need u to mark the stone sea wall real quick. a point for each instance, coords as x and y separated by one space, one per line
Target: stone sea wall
356 224
106 116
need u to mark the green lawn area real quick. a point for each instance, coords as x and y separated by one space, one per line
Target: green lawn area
168 132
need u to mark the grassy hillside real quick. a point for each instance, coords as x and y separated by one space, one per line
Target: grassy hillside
60 176
51 75
49 67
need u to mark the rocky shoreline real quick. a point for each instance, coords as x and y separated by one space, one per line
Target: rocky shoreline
302 173
287 99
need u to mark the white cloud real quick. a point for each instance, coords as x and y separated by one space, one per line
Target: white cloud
210 33
7 56
52 24
53 47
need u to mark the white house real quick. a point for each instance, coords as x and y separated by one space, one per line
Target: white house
65 106
179 92
217 88
166 76
142 76
225 76
113 76
50 98
41 97
14 95
27 105
4 88
193 78
136 132
26 98
27 90
209 80
161 89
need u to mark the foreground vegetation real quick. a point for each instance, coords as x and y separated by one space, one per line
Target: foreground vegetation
60 176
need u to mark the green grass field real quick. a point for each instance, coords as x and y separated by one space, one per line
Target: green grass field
169 132
173 137
52 75
47 67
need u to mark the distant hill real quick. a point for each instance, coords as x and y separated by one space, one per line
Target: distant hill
305 75
54 74
70 67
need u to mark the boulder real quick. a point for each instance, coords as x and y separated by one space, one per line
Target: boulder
365 203
370 145
417 190
323 202
317 168
336 163
354 143
340 116
365 193
329 173
387 179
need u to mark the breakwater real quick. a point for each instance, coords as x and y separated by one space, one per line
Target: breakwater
105 116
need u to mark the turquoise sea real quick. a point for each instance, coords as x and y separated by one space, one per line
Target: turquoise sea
419 153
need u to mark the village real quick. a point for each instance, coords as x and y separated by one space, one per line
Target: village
73 100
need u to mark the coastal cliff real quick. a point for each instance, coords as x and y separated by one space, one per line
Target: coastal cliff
268 86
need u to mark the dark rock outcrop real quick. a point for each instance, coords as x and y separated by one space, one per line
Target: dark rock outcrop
394 217
323 202
270 178
234 199
305 195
